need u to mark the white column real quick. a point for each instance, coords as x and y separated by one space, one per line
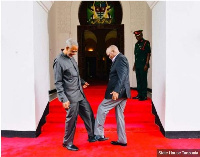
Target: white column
41 57
25 64
159 59
18 96
176 36
182 66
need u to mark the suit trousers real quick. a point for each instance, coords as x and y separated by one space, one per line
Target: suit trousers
141 77
103 109
82 108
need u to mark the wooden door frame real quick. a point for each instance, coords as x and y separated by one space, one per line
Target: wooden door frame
80 36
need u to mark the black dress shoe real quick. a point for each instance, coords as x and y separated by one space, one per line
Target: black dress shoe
137 97
92 139
142 98
101 138
70 147
118 143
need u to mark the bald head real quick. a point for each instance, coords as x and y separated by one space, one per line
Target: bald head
112 51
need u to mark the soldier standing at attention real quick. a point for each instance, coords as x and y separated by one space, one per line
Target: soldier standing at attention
142 56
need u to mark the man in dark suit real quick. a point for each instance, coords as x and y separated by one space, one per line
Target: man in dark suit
117 92
70 92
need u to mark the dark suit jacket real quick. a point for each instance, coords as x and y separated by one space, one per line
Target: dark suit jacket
119 78
67 80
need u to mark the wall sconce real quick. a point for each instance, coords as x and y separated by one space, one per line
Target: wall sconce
90 49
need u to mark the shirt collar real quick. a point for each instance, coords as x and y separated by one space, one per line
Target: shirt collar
114 58
64 54
141 40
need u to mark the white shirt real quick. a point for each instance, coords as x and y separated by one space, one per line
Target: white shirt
114 58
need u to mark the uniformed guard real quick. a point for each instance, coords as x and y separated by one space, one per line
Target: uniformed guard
142 56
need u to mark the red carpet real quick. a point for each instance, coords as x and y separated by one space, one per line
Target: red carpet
144 137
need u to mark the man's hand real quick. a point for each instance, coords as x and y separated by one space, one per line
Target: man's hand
145 67
115 95
66 105
134 67
85 85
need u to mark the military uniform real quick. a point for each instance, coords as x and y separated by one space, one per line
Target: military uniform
142 48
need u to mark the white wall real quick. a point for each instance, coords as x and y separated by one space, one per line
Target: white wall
41 60
182 71
74 21
148 36
18 97
25 65
61 28
176 75
128 44
52 42
140 19
159 59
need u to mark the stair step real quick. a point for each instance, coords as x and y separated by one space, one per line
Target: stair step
129 118
132 106
133 110
130 102
80 127
138 114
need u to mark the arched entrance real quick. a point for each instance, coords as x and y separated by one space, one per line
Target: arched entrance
97 31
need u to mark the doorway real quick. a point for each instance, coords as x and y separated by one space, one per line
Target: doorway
94 65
